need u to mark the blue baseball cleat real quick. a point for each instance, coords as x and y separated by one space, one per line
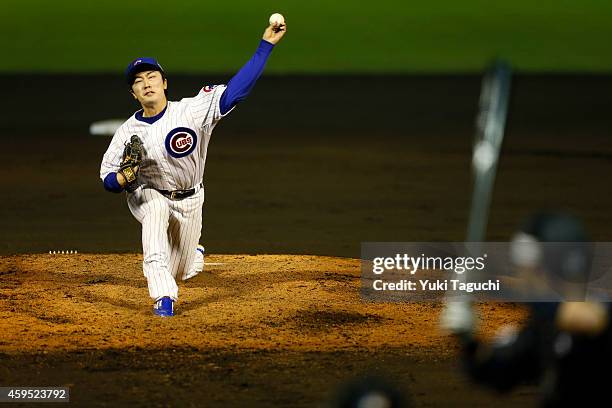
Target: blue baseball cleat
164 307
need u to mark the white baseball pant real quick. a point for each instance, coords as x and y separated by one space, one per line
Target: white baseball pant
171 230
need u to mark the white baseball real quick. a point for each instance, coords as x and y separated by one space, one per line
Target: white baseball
277 19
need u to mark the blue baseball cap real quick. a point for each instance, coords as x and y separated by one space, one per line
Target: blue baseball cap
139 65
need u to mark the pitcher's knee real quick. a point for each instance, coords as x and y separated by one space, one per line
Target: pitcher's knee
155 260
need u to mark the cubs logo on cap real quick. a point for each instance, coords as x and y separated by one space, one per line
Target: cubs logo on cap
139 65
181 142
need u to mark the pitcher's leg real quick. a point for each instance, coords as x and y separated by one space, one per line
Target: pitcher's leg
153 212
186 230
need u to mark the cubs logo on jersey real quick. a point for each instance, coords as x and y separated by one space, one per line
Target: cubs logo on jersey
181 142
209 88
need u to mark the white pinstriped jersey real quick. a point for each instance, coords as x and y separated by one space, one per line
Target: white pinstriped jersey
175 146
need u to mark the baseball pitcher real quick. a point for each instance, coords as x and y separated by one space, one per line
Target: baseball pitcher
158 155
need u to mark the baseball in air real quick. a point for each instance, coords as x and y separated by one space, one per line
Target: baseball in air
277 19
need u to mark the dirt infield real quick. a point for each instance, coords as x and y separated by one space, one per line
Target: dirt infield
275 327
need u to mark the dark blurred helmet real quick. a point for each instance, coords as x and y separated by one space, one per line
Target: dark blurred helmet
555 227
369 392
556 243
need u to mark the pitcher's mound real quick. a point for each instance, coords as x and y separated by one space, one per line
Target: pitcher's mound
267 302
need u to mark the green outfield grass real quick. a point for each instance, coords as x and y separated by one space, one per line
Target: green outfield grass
340 36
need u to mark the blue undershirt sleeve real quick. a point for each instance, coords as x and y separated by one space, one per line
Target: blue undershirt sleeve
111 184
241 84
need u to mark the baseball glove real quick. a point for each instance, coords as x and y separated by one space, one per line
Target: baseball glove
130 162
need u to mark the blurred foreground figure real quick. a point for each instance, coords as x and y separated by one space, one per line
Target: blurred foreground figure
369 392
565 347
